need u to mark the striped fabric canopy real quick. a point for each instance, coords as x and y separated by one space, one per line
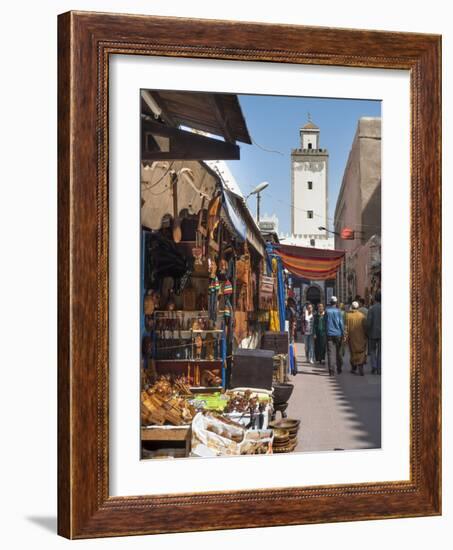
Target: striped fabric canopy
315 264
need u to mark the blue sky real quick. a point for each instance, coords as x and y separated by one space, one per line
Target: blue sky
274 122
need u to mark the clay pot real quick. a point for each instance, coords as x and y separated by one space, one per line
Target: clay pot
282 393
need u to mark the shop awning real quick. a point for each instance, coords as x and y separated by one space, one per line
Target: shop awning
233 216
241 221
218 114
315 264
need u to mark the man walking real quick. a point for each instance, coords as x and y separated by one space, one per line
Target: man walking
335 333
362 307
308 334
355 336
374 333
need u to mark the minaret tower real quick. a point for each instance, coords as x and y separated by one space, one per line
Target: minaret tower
309 169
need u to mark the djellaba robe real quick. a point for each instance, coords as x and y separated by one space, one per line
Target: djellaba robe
355 332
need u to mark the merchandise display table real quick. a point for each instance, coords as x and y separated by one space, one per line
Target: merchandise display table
168 434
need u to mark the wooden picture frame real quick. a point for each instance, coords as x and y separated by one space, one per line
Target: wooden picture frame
85 41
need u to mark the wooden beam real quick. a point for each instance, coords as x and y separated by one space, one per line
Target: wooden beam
183 145
222 118
166 116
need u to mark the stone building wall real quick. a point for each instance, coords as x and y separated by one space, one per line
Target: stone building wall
359 208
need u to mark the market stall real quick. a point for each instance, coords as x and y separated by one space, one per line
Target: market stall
179 423
212 297
201 271
203 318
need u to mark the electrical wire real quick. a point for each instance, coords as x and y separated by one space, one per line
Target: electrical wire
294 206
267 150
266 193
164 190
148 188
152 185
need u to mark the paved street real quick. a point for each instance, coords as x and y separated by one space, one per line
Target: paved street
337 413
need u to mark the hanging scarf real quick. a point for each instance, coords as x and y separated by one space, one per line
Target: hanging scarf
227 292
214 287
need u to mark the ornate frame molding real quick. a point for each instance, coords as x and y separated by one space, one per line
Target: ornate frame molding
86 40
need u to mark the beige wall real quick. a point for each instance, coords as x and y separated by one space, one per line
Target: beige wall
359 206
156 192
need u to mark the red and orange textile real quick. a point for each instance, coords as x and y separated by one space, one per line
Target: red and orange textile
315 264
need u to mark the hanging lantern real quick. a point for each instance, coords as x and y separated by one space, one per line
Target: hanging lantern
347 234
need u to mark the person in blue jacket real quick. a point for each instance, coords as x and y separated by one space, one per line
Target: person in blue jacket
335 335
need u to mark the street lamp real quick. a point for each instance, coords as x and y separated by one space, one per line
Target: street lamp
257 191
321 228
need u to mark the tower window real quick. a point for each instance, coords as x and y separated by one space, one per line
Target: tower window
310 185
312 242
310 214
309 146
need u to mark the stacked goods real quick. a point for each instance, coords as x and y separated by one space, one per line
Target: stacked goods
166 386
214 435
242 402
281 440
250 408
285 435
150 410
257 442
163 403
156 410
163 387
222 428
211 378
181 386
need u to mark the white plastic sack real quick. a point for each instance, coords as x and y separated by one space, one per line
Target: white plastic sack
213 437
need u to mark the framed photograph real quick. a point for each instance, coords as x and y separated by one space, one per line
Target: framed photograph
249 275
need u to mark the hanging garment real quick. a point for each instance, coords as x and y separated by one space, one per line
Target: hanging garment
274 320
214 288
163 259
266 292
240 326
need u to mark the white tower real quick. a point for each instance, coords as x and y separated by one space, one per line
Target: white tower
309 207
309 200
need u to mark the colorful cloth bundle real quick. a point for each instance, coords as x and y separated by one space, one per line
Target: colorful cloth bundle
227 288
227 292
214 285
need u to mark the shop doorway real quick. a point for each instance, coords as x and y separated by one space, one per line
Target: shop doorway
313 295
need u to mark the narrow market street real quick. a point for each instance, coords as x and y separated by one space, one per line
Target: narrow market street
224 287
337 413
